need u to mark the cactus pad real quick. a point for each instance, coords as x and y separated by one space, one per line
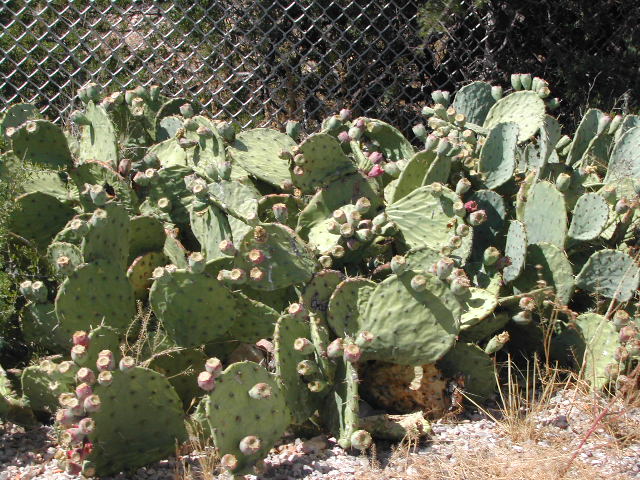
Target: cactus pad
63 249
108 237
590 216
585 133
411 328
98 140
625 157
258 152
319 290
555 270
38 217
601 340
16 115
515 250
477 304
324 162
233 414
469 361
181 368
146 234
346 190
611 273
347 305
42 143
524 108
288 260
392 143
423 218
300 400
143 429
210 226
94 293
140 272
41 389
545 216
254 320
341 411
474 101
498 155
413 173
40 326
194 308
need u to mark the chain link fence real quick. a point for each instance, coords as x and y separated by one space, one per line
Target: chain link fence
261 62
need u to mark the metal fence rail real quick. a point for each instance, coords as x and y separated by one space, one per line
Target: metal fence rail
258 62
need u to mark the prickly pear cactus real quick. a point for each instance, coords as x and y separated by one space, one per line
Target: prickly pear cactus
348 261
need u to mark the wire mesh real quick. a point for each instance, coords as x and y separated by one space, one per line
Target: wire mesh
261 62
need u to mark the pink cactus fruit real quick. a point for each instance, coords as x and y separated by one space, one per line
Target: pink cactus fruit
206 381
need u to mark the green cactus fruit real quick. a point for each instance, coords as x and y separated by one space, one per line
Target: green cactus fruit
611 273
233 415
411 327
524 108
43 144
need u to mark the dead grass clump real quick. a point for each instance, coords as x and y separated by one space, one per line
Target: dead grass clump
534 462
200 445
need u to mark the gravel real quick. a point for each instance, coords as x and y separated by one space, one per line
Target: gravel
26 455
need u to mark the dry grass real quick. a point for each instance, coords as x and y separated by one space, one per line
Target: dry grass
207 458
481 463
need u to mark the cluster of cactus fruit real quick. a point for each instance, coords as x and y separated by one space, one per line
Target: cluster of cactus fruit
293 276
